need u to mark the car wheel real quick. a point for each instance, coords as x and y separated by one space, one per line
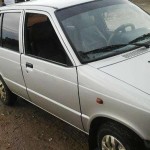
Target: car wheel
6 96
113 136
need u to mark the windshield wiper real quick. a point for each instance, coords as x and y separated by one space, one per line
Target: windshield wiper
146 45
114 47
140 38
107 48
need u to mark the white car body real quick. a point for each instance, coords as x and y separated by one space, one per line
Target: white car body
70 93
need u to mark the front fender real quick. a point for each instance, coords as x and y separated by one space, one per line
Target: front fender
121 102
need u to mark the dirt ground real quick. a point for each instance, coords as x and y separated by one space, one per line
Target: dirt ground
26 127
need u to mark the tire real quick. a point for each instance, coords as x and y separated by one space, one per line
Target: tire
6 96
122 136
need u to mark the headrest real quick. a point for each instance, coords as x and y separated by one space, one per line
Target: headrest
86 21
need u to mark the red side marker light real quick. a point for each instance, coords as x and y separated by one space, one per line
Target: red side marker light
99 101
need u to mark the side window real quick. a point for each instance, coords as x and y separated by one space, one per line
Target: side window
10 31
41 40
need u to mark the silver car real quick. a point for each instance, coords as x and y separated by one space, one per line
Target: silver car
86 62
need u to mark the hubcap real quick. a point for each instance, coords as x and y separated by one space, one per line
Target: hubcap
111 143
2 92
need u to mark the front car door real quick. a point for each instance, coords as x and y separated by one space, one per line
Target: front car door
50 77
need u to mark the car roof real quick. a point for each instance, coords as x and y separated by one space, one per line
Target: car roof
57 4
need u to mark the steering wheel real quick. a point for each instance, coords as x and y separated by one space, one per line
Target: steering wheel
120 30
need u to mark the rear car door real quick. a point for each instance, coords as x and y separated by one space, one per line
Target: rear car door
10 68
50 77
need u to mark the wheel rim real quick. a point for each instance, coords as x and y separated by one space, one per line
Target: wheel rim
111 143
2 91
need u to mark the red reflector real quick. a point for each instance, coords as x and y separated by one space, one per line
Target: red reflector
99 101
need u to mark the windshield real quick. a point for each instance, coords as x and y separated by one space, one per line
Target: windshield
101 24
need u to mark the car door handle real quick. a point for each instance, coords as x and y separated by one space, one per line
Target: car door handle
29 65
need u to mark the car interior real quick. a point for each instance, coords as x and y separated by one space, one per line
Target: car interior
42 41
89 31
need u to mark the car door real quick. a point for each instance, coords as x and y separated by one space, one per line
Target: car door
50 77
10 45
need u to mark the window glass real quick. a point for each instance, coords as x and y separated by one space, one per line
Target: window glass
93 29
10 31
41 40
114 16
